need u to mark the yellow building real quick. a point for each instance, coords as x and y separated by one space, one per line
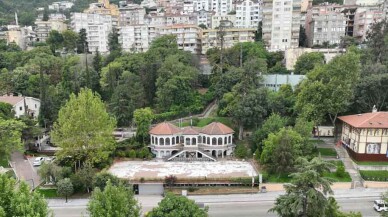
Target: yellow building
365 136
103 7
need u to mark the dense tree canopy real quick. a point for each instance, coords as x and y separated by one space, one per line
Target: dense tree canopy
19 200
307 61
114 201
79 133
177 206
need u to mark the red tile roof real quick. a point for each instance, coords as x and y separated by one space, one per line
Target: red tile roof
165 128
13 100
217 128
191 131
367 120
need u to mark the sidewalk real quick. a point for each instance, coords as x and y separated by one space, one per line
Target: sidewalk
24 170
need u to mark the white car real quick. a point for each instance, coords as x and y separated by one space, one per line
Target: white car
380 205
38 161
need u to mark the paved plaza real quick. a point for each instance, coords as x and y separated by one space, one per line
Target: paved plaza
134 170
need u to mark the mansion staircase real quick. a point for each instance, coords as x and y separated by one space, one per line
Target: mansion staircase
205 157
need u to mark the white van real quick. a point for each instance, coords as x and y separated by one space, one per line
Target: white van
380 205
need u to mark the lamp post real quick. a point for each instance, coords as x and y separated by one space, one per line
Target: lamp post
33 184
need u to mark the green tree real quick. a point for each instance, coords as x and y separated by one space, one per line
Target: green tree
6 111
100 180
110 76
143 119
6 83
46 14
82 44
302 37
281 150
97 62
65 188
307 61
55 40
80 134
114 201
50 172
18 200
128 96
113 41
10 134
70 40
271 125
347 41
377 42
306 194
259 32
174 206
329 88
371 91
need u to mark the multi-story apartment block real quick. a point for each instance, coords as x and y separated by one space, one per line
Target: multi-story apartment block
97 28
218 19
325 24
201 5
134 38
248 14
364 18
60 6
43 28
188 7
132 15
103 7
281 23
57 16
362 2
188 36
211 38
204 17
22 36
170 19
221 7
350 13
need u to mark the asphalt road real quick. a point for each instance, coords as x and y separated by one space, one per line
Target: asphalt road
237 205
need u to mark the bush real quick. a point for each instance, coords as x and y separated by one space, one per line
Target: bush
101 178
143 153
170 180
241 151
192 189
121 153
131 154
340 171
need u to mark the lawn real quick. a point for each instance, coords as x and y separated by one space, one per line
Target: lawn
48 192
372 163
205 121
335 178
327 152
4 162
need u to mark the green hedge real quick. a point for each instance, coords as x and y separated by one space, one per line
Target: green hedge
372 175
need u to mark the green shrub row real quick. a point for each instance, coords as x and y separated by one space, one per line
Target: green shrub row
372 175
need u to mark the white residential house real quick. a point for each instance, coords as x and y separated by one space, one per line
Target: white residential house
63 5
23 105
248 14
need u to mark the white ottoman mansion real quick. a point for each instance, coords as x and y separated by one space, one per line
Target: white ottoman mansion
191 143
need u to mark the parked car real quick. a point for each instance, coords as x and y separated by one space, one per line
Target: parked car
380 205
51 159
38 161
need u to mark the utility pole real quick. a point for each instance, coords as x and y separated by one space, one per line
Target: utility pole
241 55
221 35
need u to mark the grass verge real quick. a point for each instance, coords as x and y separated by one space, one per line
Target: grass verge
48 192
327 152
372 163
335 178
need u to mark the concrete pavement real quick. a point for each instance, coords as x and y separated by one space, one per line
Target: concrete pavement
245 205
24 169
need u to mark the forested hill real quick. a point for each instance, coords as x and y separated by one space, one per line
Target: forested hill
26 9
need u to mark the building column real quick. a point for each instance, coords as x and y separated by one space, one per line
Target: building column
222 154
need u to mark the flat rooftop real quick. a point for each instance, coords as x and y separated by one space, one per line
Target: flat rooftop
134 170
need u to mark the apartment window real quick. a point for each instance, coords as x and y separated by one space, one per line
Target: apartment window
20 108
284 40
287 9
